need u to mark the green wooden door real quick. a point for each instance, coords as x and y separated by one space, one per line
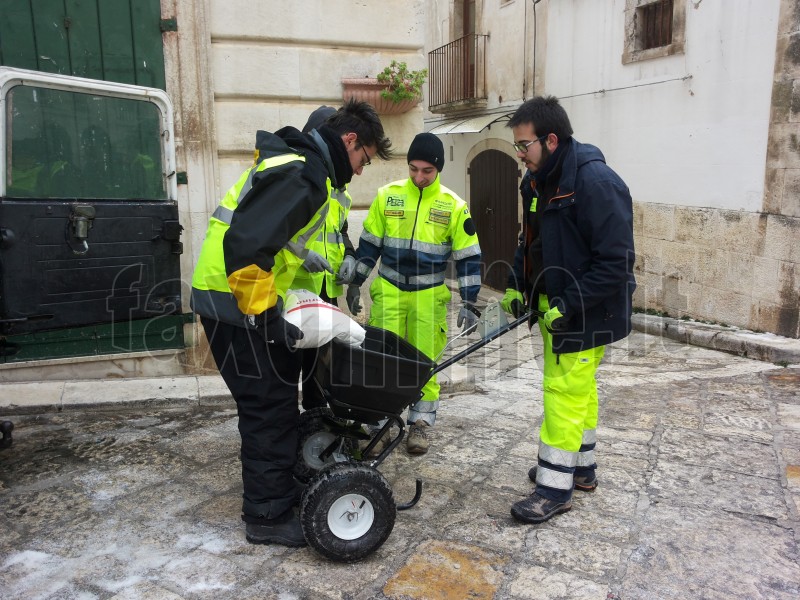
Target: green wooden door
113 40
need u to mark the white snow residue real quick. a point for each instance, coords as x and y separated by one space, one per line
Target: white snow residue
119 584
215 546
31 570
29 559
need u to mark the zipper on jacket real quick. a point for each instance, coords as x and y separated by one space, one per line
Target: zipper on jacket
416 216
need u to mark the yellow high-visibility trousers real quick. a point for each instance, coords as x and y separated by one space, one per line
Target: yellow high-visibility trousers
569 393
421 319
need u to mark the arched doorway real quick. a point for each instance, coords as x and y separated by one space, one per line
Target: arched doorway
494 198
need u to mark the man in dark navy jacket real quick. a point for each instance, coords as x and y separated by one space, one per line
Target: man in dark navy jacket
575 265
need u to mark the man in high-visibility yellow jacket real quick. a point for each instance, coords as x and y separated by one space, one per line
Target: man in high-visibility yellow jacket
256 240
415 226
330 262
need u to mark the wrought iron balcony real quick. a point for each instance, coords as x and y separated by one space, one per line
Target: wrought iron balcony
457 72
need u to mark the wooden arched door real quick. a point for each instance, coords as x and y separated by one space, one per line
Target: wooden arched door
494 201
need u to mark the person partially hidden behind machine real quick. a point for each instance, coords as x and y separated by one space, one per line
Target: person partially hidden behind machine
414 226
330 263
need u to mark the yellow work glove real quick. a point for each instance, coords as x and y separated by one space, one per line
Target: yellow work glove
513 302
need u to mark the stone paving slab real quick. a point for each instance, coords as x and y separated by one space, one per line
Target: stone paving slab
699 494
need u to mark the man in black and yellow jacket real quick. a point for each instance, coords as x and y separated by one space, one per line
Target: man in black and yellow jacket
255 242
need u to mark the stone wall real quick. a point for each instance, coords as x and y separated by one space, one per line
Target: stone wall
730 267
735 267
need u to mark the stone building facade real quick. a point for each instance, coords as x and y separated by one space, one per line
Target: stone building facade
703 127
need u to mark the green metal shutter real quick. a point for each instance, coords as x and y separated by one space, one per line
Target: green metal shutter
113 40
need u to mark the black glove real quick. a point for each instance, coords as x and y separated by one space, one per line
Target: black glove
354 299
275 329
517 308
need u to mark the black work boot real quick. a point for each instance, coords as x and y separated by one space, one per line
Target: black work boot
583 483
284 530
538 509
299 488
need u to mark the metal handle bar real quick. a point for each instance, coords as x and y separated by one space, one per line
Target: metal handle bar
482 342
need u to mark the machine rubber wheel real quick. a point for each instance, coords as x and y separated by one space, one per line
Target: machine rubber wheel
313 436
348 512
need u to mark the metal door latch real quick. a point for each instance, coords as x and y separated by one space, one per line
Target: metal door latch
82 219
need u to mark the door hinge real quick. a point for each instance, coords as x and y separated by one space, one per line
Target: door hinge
169 24
181 177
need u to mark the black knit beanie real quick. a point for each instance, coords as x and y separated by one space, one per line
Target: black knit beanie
429 148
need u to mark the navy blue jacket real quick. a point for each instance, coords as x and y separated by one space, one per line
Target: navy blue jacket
587 251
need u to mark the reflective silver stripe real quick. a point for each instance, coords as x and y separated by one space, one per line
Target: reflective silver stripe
363 269
406 243
553 479
440 249
248 185
298 248
342 198
334 238
589 436
585 459
556 456
393 242
469 280
431 279
372 239
223 214
394 276
390 274
473 250
423 409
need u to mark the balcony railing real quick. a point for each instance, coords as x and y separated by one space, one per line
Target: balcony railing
457 71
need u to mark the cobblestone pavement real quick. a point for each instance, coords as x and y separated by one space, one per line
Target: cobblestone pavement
699 467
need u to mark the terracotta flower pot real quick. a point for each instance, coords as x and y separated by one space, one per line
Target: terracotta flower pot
368 89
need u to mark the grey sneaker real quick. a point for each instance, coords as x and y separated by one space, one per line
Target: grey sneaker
537 509
285 531
417 442
581 483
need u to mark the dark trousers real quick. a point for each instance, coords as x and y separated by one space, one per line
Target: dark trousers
263 380
312 397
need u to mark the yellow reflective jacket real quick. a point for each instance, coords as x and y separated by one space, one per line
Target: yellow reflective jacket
257 236
414 233
331 242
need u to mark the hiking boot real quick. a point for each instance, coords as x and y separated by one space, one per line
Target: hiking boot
582 483
299 488
285 531
379 447
537 509
417 442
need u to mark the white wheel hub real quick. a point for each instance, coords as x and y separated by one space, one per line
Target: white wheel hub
350 516
314 446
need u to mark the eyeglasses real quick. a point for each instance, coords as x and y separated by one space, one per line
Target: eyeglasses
366 156
520 147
